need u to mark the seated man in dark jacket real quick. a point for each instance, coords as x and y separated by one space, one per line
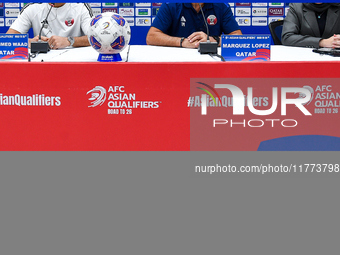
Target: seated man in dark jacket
183 25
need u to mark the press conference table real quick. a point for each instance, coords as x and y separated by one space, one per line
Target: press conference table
146 102
136 53
146 53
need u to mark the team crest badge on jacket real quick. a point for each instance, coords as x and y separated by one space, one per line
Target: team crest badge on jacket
69 22
212 20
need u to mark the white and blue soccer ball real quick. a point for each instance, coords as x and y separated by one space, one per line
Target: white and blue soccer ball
109 33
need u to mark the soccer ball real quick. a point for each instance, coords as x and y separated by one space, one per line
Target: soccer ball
109 33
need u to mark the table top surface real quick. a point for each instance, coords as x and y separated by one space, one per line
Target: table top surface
147 53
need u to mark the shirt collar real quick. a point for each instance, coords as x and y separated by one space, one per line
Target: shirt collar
205 7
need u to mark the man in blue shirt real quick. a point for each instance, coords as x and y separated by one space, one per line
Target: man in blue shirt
183 25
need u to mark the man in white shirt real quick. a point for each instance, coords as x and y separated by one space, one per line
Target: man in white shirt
67 23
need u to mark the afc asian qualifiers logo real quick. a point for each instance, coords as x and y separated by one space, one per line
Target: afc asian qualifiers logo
212 20
118 100
98 96
69 22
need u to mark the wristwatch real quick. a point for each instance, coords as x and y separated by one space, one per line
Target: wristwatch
71 40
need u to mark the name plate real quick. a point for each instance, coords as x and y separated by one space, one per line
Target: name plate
13 46
246 47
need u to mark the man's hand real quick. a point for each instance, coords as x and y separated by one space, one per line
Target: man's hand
336 41
36 38
331 42
197 37
58 42
187 44
326 43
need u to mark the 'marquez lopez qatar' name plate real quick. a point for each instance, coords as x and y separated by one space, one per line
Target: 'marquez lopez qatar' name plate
246 47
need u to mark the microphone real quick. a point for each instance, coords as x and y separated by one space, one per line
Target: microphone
207 47
41 46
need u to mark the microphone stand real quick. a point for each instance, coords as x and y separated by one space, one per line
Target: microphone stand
41 46
207 47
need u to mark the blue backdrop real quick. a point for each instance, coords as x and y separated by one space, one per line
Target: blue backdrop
253 18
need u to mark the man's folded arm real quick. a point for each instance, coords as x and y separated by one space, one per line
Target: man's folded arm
158 38
81 41
236 32
59 42
12 31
